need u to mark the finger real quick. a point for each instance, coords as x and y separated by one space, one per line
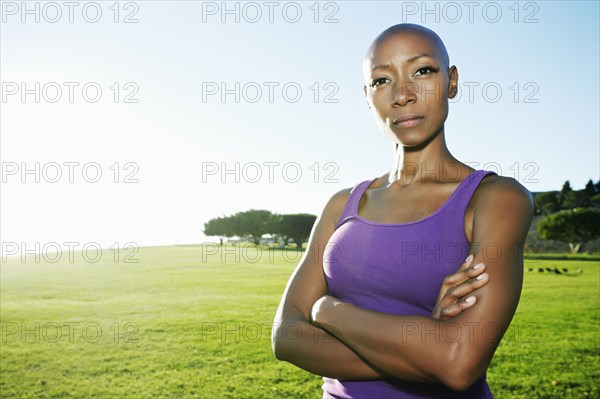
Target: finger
460 277
453 294
466 263
475 271
456 278
458 307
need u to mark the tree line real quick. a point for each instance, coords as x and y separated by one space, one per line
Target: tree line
571 216
254 223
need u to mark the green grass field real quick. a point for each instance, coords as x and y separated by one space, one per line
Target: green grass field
183 323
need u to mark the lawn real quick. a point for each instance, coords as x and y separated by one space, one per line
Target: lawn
185 322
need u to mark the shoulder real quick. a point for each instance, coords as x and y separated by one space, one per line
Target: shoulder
335 205
501 189
503 199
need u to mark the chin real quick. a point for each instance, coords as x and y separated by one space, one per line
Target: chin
408 139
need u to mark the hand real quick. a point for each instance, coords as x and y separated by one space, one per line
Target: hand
454 294
318 313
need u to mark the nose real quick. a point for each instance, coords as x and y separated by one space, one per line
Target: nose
404 93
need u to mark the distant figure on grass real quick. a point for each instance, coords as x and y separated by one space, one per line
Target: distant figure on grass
383 303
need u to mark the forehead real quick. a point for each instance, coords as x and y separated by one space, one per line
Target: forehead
398 46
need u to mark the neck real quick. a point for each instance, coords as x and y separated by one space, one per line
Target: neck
428 161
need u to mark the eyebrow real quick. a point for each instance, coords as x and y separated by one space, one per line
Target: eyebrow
410 59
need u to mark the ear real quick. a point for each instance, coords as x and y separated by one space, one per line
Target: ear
453 81
365 91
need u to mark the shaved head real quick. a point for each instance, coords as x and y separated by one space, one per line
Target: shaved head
407 71
408 31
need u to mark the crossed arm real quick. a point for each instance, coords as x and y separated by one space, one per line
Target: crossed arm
343 341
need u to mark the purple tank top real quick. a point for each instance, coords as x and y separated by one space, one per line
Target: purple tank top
398 269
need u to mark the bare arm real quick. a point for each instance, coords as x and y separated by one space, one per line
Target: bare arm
298 341
295 339
454 352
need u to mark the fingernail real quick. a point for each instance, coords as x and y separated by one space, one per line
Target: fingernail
470 299
478 266
469 258
481 276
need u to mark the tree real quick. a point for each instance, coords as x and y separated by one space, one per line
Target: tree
255 222
275 233
576 199
220 227
590 188
297 226
546 203
564 192
595 201
575 227
566 188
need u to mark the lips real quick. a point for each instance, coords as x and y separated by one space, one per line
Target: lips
405 119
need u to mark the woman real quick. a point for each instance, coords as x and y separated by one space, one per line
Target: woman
360 309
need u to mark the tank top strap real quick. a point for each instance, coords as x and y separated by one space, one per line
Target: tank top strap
352 204
467 189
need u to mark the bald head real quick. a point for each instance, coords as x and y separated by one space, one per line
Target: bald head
408 34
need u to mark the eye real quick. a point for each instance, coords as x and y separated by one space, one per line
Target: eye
378 80
427 70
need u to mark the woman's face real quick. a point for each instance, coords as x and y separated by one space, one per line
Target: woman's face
407 76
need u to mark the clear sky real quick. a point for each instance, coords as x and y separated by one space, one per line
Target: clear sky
164 98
